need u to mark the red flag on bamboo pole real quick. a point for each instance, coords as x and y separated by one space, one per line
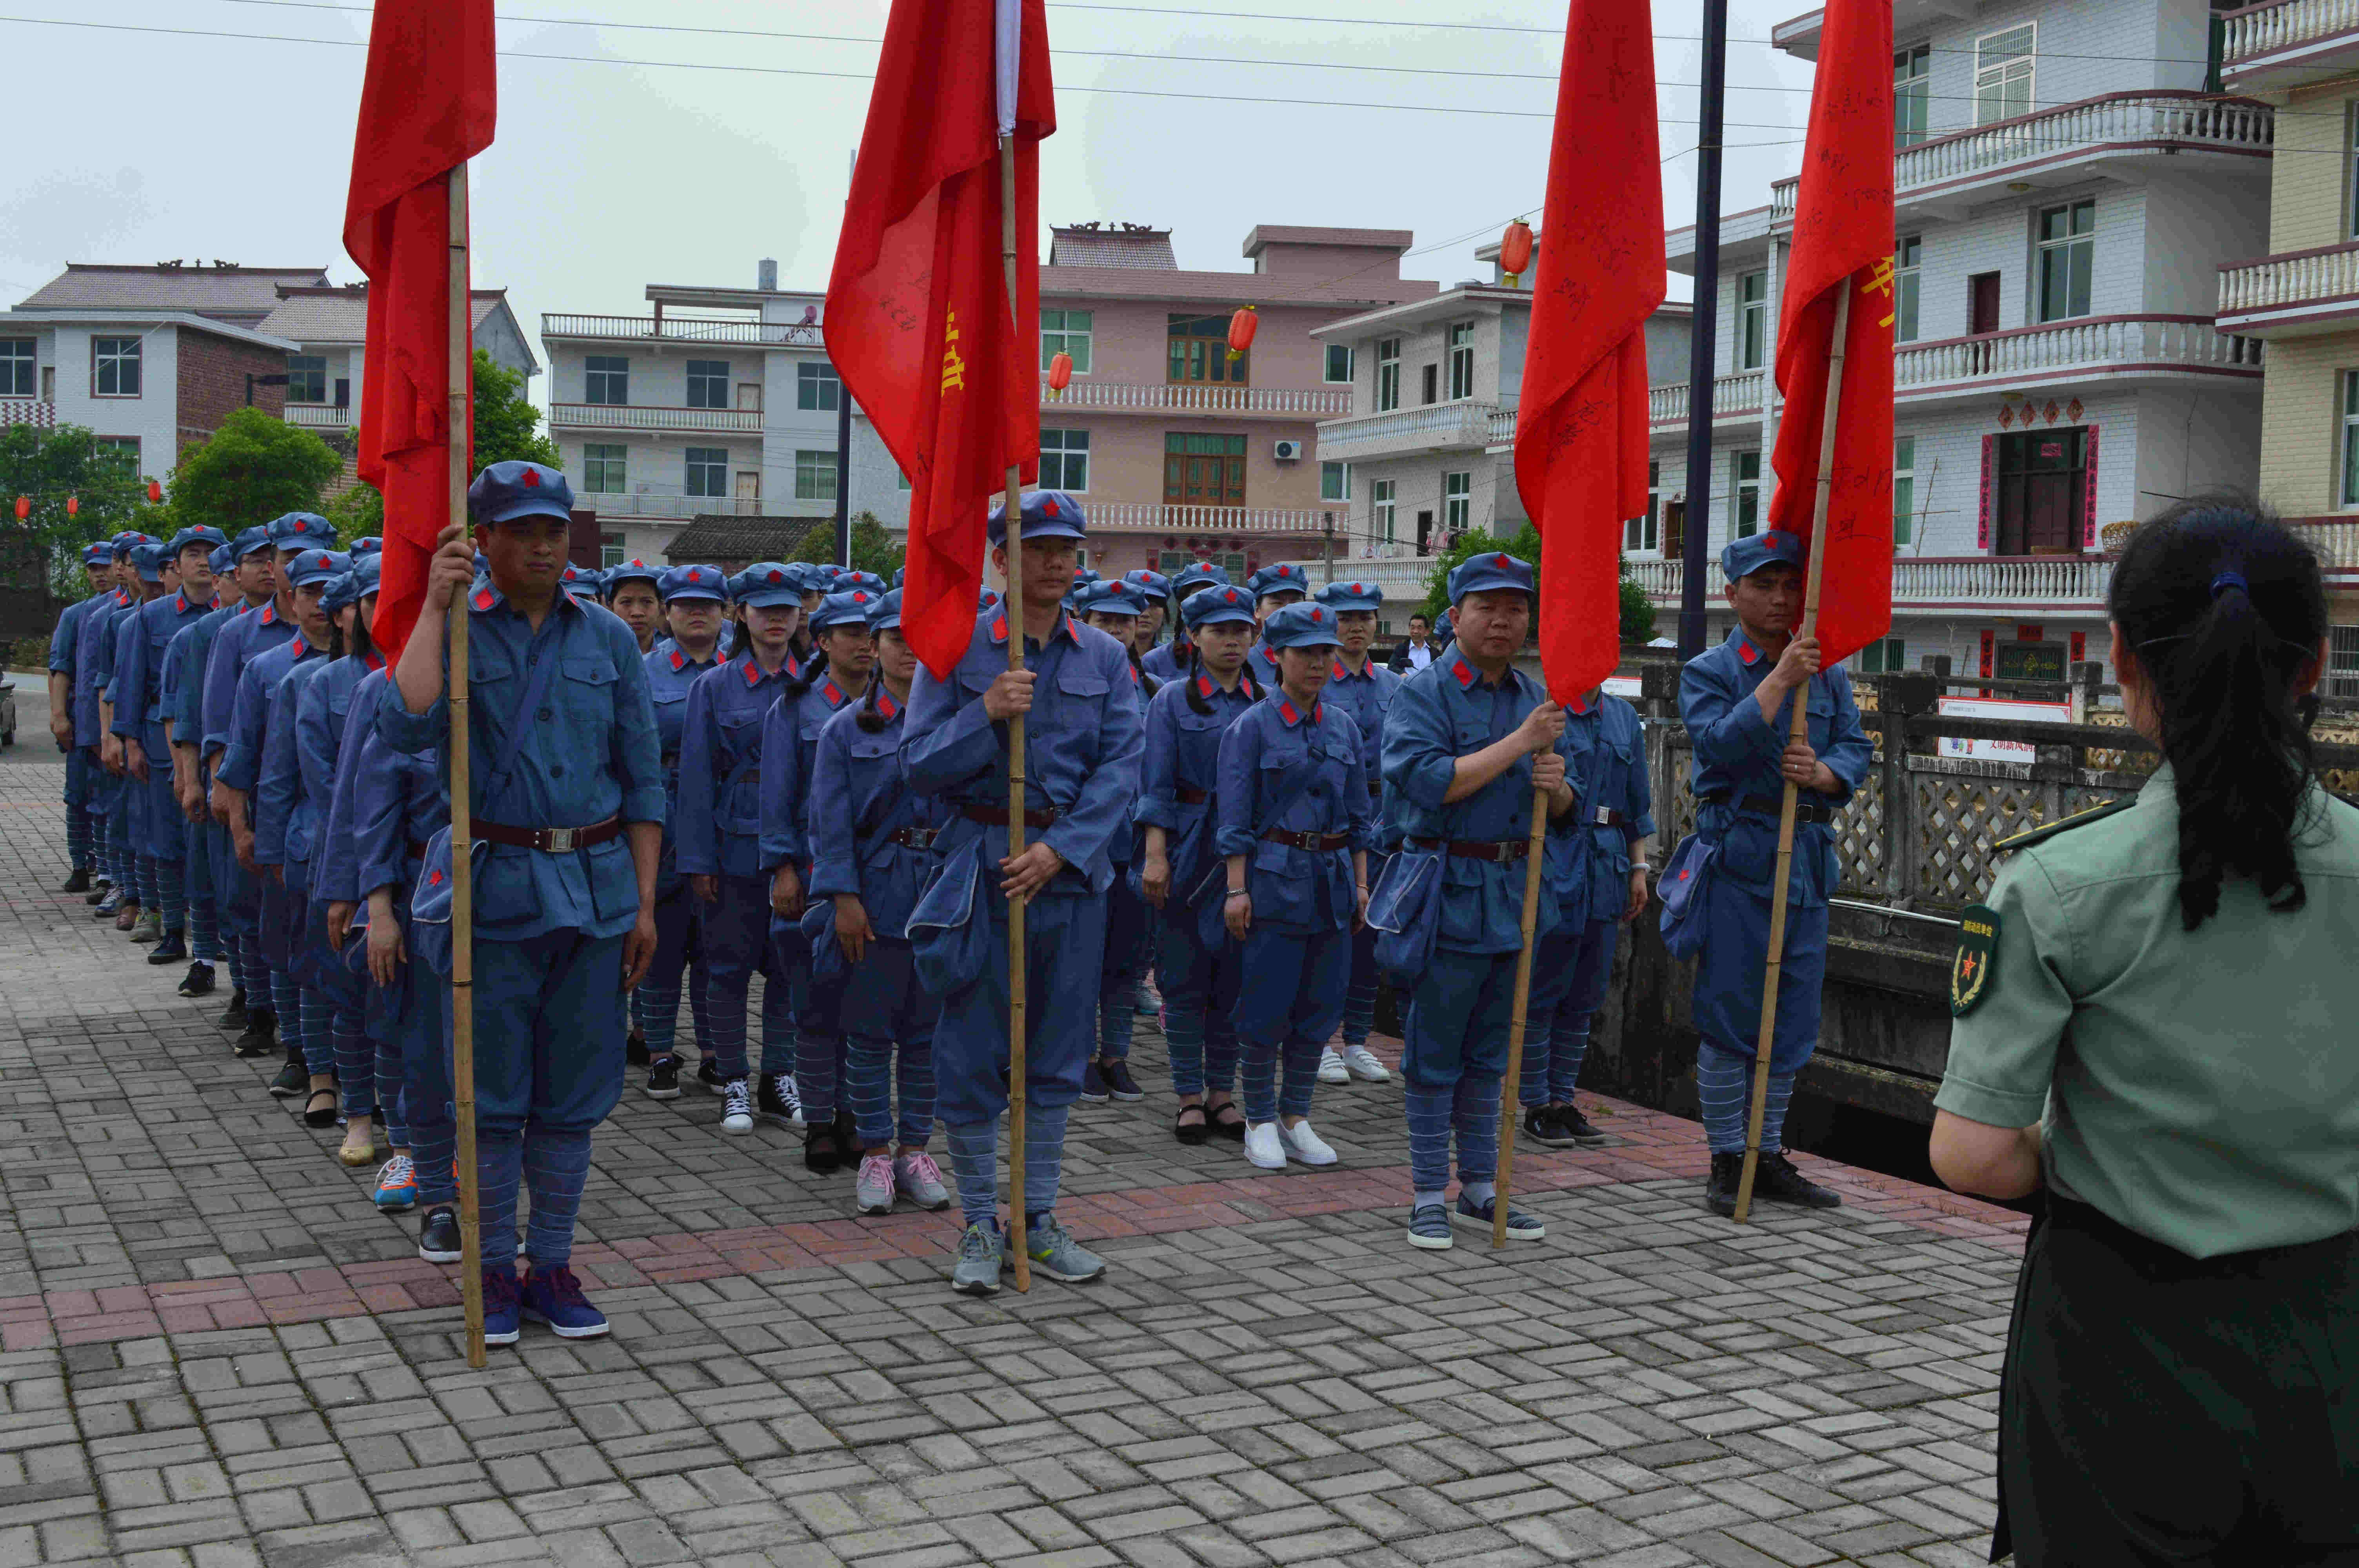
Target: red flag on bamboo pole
917 319
428 104
1843 238
1581 436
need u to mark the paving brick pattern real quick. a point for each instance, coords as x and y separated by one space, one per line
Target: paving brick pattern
213 1352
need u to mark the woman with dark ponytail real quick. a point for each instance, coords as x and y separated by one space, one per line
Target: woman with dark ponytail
2152 1037
1116 607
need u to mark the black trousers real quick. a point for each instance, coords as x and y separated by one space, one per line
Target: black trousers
2155 1409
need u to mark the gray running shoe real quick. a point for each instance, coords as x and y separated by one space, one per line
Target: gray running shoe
871 1189
921 1180
1056 1254
980 1250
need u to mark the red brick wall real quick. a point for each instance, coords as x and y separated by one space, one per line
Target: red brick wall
212 383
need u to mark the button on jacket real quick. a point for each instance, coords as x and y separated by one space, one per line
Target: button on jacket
1263 757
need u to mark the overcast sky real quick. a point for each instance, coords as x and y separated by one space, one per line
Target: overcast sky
607 176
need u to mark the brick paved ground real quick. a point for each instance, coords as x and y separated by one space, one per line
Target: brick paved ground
214 1352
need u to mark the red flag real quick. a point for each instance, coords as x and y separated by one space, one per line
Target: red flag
1842 239
918 319
1580 434
427 106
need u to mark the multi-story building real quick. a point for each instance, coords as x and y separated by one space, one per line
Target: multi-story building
328 327
2302 57
2065 193
1180 453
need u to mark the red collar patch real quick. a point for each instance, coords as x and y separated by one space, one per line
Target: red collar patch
1134 674
270 614
1747 651
999 630
833 693
482 599
1204 686
180 602
752 671
677 658
886 706
1464 672
1578 704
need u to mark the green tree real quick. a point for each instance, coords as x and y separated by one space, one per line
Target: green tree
48 468
253 468
1637 610
508 426
874 548
357 513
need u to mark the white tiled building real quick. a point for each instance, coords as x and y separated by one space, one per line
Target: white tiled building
328 327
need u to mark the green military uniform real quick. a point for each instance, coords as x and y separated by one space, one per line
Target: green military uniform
2182 1372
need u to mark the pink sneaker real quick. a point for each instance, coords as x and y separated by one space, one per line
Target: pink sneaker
871 1190
921 1180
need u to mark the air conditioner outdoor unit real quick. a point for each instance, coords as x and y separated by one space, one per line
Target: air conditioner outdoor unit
1288 451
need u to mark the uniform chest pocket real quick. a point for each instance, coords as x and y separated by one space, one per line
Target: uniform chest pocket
1081 693
488 667
877 748
585 690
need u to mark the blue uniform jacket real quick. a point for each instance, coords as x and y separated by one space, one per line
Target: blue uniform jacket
587 754
790 734
94 661
335 869
66 641
241 640
1082 747
1441 713
139 676
1264 665
398 801
190 653
1183 759
283 828
240 766
1262 755
1605 762
723 784
670 672
1737 755
1366 694
1165 660
315 702
860 797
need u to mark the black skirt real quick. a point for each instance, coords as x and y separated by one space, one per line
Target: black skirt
2159 1408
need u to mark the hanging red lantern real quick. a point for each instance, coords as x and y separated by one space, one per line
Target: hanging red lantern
1060 373
1515 251
24 507
1242 325
74 505
155 493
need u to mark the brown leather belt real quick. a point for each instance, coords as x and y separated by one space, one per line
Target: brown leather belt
1306 840
1489 848
418 848
997 817
1192 796
549 840
1602 817
1805 808
1376 787
913 837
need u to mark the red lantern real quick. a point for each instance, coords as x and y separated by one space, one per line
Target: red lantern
155 494
1242 325
1060 373
74 505
1515 251
24 507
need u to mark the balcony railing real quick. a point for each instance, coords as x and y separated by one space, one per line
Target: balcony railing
640 416
682 330
1182 398
1731 395
1136 517
2143 122
2264 29
320 416
672 503
2297 277
2336 540
1433 427
2050 581
28 411
2093 345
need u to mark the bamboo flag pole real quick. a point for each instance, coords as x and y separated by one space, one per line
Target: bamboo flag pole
1800 733
462 827
1510 1087
1018 1165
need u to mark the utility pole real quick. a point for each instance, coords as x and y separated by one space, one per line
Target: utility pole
843 474
1702 332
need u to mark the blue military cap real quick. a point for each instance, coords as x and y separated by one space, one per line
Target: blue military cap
859 582
1202 575
365 573
1045 514
1110 598
1223 602
1083 577
1341 596
898 574
220 560
100 554
150 559
1492 571
694 582
1280 579
1301 626
885 612
990 597
255 538
809 577
848 609
130 540
366 544
302 531
1743 558
505 492
343 589
579 580
314 566
1443 630
211 538
763 584
1152 584
634 571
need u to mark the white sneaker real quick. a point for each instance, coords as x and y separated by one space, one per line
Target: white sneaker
1364 1066
1331 1068
1264 1147
1306 1145
736 1107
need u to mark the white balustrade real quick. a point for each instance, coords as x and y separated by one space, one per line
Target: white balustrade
1139 516
2274 282
642 417
2259 30
2053 580
320 416
684 328
672 503
2336 540
2095 344
1430 427
1731 395
28 411
1184 397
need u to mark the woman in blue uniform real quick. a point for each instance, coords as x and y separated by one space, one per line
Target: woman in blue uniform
1273 588
1364 689
1196 963
1166 662
1293 827
718 826
634 595
694 601
1116 607
872 848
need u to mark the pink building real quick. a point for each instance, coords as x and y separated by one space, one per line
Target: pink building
1178 454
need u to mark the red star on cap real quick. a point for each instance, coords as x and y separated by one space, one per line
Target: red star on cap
778 577
532 479
695 576
1049 509
434 879
1357 588
1503 560
860 598
1319 615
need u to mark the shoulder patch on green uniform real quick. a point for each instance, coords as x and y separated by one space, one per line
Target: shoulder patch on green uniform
1969 971
2041 835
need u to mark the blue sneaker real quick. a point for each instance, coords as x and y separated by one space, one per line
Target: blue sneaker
554 1296
1521 1227
501 1324
1054 1253
396 1186
1428 1227
980 1248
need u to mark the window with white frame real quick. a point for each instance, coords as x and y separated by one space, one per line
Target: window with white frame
122 452
1462 362
901 478
1457 502
1641 533
708 384
610 550
2002 64
1885 656
1065 460
1908 263
816 387
1387 375
708 471
603 468
2350 438
1066 332
2350 173
606 379
307 378
2068 259
1752 320
1381 498
1912 94
2342 661
1339 362
17 356
114 365
1743 494
1335 481
814 476
1904 489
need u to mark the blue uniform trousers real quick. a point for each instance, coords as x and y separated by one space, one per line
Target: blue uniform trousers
821 1057
77 766
202 882
1128 946
96 803
737 945
119 831
1729 969
655 1004
888 1021
1454 1058
405 1021
162 838
1570 967
1287 1006
237 903
1200 994
335 1012
548 1068
278 925
1064 937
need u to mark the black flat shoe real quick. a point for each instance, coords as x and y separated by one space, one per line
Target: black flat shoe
77 883
314 1115
1191 1133
1234 1130
234 1016
199 981
635 1049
